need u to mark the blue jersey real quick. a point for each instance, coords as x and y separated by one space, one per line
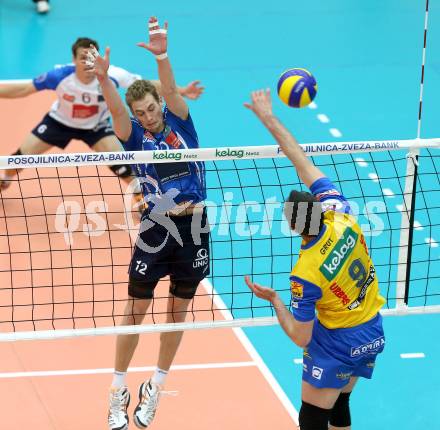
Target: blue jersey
157 179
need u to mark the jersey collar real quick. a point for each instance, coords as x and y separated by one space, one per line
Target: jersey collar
316 239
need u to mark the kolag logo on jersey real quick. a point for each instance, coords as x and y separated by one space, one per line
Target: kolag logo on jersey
339 254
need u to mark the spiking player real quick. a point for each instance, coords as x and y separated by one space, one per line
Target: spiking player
333 276
174 236
80 111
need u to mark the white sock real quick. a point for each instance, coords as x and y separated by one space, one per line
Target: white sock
159 376
119 379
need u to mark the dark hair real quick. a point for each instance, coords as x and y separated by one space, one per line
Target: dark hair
83 42
139 89
304 213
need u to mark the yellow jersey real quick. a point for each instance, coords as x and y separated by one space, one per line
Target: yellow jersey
334 274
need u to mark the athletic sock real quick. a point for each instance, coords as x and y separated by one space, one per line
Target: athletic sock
159 376
119 379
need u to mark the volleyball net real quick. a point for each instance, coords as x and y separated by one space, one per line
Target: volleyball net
68 226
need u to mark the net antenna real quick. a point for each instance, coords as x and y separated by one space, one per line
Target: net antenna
408 212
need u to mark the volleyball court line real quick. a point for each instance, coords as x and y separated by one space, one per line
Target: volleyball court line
250 349
32 374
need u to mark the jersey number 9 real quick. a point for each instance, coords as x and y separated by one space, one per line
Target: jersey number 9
357 272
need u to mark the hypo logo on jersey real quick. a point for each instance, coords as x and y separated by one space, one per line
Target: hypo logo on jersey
373 347
297 289
339 254
317 372
201 259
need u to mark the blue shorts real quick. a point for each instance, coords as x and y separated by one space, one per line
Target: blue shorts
158 253
334 356
55 133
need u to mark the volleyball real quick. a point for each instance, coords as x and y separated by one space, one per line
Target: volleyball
297 88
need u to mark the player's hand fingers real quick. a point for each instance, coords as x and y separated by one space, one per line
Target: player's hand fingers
146 46
107 53
249 106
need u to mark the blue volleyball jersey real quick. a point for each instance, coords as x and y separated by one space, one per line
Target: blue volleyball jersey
188 178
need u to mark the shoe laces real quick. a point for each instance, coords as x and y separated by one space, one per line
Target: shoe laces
150 400
118 401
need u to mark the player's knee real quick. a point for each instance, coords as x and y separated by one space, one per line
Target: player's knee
312 417
123 171
184 289
340 414
141 289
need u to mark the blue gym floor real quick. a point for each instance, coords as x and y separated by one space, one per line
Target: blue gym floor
366 57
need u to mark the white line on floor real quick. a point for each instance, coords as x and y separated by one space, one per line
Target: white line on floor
412 355
431 242
388 192
323 118
32 374
361 162
373 177
273 383
335 132
417 225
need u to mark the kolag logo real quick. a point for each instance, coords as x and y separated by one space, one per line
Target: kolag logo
339 254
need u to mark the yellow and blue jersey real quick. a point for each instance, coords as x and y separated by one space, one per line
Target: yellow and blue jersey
335 275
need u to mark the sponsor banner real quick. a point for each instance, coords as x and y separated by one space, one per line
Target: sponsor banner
225 153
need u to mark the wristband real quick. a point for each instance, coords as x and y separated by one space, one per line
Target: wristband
162 56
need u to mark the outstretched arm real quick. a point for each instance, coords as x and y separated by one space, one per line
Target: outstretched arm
14 91
121 119
261 105
158 46
299 332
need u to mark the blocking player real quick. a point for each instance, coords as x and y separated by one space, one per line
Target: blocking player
335 278
80 111
169 241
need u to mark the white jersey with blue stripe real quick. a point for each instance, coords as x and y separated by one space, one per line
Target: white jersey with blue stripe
80 105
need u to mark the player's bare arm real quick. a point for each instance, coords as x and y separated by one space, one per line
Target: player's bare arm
99 65
157 45
17 90
299 332
261 105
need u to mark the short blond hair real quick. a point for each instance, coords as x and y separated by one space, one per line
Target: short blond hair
139 89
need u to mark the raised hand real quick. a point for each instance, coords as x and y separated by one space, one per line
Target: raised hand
157 44
261 103
261 292
193 90
99 65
